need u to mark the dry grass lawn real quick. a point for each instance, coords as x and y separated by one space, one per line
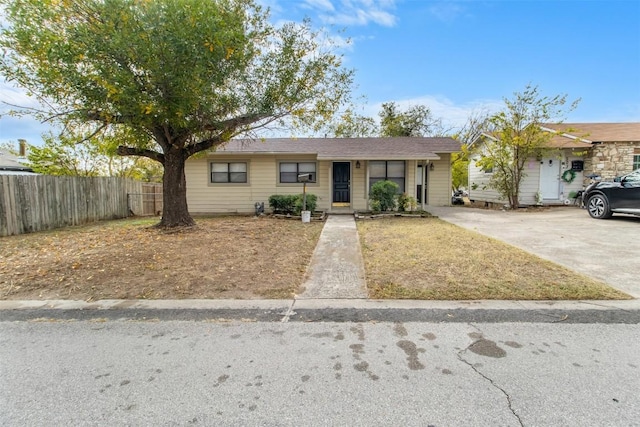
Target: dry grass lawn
432 259
249 258
236 257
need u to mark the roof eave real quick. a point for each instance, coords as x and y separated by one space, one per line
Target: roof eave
260 153
426 156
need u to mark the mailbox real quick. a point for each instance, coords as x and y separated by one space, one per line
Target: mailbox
577 165
305 177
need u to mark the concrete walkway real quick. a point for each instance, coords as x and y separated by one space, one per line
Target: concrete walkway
336 269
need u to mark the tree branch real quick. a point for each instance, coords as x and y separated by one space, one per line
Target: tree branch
203 145
99 116
236 122
142 152
100 129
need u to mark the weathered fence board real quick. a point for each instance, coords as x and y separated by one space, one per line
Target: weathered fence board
31 203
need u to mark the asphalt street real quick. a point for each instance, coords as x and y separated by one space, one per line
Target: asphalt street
232 373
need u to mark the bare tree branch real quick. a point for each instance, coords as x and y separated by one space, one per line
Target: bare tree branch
236 122
100 129
132 151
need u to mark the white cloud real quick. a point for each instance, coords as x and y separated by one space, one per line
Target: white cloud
354 12
453 115
320 4
16 97
446 11
13 128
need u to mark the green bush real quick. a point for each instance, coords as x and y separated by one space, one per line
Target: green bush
383 196
312 200
406 203
283 203
291 203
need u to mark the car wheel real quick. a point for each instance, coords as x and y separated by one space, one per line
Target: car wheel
598 207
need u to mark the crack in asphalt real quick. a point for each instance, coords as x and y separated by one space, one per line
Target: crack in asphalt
493 383
558 318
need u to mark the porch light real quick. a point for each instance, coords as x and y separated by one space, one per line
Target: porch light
431 167
357 164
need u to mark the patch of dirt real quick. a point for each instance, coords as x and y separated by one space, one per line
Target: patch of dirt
233 257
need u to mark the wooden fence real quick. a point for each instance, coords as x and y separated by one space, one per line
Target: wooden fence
31 203
148 202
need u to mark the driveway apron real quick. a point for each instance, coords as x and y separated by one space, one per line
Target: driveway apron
336 269
606 250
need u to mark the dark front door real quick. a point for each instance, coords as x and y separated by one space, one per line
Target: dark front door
341 182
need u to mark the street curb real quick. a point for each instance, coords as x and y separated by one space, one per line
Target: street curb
316 304
317 310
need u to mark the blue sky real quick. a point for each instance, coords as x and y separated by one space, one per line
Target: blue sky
458 57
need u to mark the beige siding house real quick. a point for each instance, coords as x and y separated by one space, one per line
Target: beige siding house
233 178
604 149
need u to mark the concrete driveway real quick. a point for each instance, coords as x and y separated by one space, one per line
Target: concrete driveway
608 250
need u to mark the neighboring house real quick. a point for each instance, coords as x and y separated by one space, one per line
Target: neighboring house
234 177
615 147
604 149
11 165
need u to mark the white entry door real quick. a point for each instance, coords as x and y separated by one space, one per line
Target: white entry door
550 178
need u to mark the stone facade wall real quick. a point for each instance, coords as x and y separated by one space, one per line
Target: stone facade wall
611 159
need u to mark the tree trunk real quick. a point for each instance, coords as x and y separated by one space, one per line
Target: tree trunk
175 212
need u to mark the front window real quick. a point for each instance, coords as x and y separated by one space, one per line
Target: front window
636 161
228 172
289 171
387 170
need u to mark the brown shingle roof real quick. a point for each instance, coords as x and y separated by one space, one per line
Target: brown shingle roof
600 132
556 141
9 162
563 141
346 148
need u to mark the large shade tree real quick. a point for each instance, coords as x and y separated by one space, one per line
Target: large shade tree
182 76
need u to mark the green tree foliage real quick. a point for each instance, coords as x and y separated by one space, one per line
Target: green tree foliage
416 121
352 125
64 155
518 136
460 168
179 76
470 132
